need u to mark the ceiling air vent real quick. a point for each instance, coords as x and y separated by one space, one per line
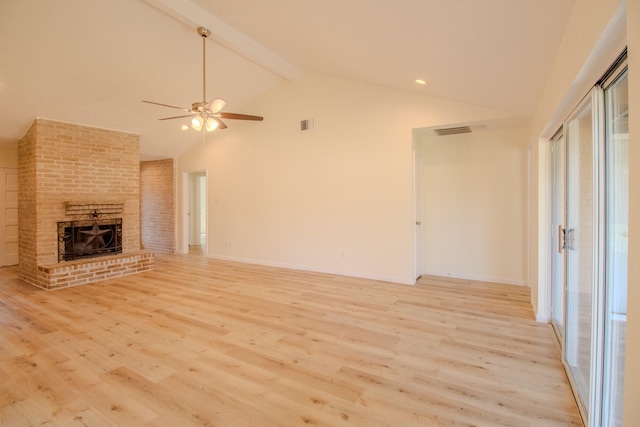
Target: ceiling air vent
306 124
452 131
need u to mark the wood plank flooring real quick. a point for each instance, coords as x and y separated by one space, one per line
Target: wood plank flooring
201 342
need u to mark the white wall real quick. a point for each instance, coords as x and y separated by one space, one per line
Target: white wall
475 205
338 198
9 157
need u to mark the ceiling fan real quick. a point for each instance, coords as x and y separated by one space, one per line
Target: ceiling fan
206 115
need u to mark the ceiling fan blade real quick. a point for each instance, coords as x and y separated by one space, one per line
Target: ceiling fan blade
177 117
166 105
236 116
215 105
221 124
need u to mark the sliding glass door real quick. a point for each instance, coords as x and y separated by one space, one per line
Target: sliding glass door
557 273
588 251
616 223
579 248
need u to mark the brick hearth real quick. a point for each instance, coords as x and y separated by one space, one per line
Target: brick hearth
62 162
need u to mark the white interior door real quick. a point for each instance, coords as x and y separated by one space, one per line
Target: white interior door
8 216
419 235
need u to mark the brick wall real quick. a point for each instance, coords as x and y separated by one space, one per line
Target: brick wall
157 195
27 218
60 162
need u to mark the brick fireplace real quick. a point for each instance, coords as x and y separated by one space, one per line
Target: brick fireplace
78 176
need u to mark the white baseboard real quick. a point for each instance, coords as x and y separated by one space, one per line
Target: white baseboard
477 278
542 318
399 280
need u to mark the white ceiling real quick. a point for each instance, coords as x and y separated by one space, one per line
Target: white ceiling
92 62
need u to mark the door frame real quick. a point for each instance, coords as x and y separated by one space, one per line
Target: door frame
418 200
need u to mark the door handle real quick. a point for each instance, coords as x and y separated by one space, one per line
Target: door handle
566 238
569 238
418 222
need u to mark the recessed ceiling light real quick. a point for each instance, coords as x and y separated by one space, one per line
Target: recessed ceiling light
421 82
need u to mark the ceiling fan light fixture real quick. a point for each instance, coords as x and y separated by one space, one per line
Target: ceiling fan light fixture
197 123
211 125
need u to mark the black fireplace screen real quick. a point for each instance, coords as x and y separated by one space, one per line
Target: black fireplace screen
89 238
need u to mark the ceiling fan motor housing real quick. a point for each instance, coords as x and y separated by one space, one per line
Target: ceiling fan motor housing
198 106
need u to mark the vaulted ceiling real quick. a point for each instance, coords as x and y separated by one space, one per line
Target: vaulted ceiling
92 62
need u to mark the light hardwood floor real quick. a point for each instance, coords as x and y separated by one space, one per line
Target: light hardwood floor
206 342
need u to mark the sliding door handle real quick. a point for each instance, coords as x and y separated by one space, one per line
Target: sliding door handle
561 239
566 238
570 238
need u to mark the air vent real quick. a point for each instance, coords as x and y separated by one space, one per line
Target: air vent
452 131
306 124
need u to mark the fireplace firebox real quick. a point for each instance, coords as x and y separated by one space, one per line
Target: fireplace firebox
96 237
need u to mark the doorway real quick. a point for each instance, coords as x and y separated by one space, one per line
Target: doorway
197 210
